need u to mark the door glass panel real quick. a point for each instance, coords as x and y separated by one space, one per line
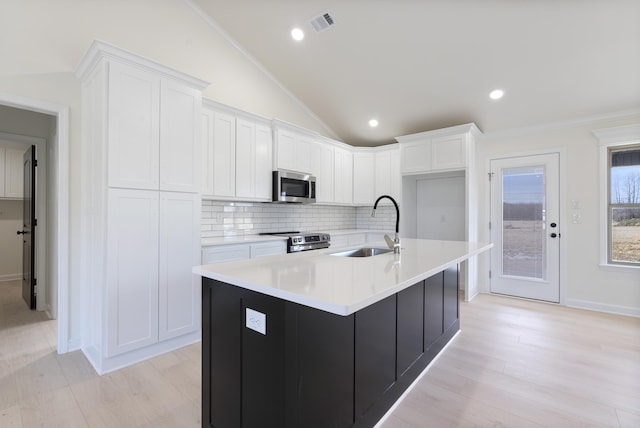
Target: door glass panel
523 222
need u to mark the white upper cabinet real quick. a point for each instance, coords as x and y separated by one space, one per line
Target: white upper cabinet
133 127
440 150
224 154
11 172
449 152
387 173
343 175
363 178
179 137
253 160
153 131
292 148
237 154
323 169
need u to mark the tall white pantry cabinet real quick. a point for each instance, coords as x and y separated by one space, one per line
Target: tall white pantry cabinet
141 207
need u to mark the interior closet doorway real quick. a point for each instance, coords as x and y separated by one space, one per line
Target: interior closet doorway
12 207
16 118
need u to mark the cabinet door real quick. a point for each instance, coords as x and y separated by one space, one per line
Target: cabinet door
263 163
410 340
14 173
415 157
179 291
132 270
272 248
450 297
396 177
225 253
343 176
383 175
133 117
179 137
449 152
245 158
286 143
224 155
206 142
363 178
324 163
375 353
433 299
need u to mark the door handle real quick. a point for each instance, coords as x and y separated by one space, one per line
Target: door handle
22 232
553 235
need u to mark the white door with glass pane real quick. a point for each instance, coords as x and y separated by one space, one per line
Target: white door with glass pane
525 226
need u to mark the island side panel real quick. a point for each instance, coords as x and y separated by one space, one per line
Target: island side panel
263 365
221 355
451 307
410 339
375 353
319 360
433 309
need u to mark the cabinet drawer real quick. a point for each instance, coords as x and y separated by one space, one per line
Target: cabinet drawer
225 253
268 249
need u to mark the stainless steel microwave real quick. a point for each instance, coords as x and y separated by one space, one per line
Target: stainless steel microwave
295 187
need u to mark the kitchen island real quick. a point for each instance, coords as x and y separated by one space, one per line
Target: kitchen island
318 340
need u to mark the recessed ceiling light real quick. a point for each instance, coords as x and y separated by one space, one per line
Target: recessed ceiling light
297 34
496 94
373 123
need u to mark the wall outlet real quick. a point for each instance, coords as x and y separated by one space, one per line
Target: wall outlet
256 321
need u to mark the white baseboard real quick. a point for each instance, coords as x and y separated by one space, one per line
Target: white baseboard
11 277
603 307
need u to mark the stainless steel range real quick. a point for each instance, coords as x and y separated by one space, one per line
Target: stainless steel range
305 241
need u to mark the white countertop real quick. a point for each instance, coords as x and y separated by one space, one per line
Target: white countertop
342 285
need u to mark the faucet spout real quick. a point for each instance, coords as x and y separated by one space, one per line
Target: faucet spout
396 241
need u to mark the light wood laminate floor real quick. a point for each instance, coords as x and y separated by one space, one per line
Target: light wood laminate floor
516 363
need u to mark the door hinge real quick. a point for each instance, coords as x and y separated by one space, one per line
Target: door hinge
490 174
489 273
35 221
489 225
35 290
35 163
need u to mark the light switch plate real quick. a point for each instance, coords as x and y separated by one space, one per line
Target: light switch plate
256 321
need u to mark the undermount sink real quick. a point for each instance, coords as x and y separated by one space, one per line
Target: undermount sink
363 252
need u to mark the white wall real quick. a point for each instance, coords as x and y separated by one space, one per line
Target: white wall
43 43
585 282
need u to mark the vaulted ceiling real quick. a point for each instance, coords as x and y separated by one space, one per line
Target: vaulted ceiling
417 65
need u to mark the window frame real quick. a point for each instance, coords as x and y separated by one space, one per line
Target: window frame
611 139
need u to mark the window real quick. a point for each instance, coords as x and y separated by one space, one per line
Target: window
624 205
620 195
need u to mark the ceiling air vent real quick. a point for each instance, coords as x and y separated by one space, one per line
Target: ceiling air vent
322 22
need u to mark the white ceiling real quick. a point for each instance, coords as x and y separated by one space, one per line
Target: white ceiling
419 65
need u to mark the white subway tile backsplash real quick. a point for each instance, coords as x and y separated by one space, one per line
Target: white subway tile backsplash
242 218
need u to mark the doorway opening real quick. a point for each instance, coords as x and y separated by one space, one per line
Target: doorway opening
18 118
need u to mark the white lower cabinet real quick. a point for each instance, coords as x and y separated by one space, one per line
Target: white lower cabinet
151 247
233 252
225 253
179 289
132 270
271 248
